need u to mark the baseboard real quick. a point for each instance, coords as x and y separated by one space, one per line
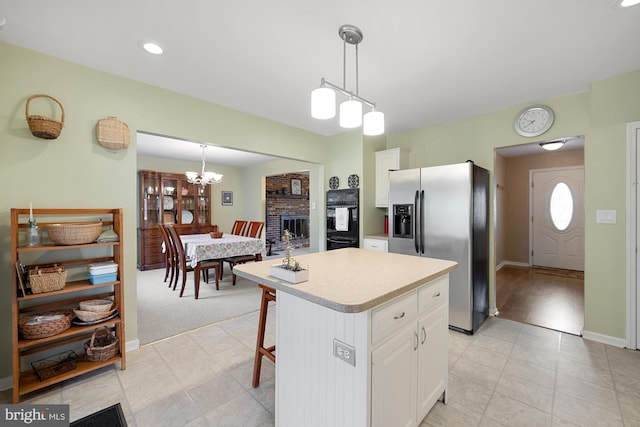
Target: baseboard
132 345
517 264
7 382
604 339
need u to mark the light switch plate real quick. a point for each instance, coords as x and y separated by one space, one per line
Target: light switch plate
606 216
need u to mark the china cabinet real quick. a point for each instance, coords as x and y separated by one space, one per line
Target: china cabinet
169 198
28 304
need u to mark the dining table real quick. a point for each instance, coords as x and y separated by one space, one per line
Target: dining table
201 247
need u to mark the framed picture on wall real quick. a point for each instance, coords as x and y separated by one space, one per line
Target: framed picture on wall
227 198
296 186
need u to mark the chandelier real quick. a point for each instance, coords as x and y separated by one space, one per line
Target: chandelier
323 99
204 178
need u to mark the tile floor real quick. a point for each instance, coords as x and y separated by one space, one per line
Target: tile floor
507 374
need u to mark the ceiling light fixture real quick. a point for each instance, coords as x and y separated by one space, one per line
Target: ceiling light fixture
323 99
626 3
151 47
553 145
204 178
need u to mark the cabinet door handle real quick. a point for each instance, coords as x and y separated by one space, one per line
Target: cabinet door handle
398 316
424 335
435 295
415 334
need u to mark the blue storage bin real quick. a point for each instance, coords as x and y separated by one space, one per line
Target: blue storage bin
97 279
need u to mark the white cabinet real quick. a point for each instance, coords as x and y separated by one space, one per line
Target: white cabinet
409 366
432 362
375 244
392 159
400 356
394 381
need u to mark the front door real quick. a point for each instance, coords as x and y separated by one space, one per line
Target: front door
557 218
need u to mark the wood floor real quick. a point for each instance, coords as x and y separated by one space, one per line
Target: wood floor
549 298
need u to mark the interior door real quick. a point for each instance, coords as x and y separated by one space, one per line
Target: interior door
557 220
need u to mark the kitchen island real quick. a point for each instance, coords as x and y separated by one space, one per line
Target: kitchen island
363 342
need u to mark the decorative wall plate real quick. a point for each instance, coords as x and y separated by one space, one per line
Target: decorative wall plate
334 182
168 203
353 181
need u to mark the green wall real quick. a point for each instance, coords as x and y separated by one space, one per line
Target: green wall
601 115
73 171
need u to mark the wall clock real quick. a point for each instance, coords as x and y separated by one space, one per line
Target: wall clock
534 120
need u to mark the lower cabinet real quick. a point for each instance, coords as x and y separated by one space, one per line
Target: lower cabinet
410 367
433 363
375 244
397 373
394 381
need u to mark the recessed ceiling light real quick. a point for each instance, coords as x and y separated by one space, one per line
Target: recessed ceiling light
151 47
626 3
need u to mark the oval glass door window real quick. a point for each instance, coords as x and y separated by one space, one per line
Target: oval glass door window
561 206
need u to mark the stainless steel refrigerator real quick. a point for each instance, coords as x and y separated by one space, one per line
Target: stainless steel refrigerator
443 212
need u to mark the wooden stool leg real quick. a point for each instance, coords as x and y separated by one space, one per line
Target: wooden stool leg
268 294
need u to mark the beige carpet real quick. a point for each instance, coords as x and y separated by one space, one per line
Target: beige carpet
162 313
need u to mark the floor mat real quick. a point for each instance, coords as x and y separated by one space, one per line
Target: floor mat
108 417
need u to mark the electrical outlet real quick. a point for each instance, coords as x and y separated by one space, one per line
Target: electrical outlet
344 352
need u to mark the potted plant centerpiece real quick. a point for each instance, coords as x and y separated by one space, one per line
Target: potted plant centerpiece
290 269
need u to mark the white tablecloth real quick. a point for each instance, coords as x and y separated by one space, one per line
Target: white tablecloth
200 247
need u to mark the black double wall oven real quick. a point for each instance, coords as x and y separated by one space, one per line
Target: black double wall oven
343 219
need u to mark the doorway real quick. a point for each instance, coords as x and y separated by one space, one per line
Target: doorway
539 292
557 218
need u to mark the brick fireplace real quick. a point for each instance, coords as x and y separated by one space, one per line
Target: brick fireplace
286 210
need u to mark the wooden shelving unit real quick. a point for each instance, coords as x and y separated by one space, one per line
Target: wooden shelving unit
74 258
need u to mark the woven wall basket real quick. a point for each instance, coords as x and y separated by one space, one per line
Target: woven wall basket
41 126
112 133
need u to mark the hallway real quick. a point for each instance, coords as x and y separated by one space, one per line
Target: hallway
545 297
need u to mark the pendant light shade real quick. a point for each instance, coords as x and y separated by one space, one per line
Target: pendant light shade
373 123
323 99
323 103
350 114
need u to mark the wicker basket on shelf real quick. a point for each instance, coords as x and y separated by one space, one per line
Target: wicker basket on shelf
73 233
101 347
113 133
47 279
45 324
41 126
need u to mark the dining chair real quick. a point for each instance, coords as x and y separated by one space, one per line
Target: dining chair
254 229
169 254
238 227
184 265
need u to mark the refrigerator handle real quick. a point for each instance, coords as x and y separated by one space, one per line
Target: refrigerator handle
422 220
416 216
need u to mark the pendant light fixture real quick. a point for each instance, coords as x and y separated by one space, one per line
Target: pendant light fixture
204 178
323 99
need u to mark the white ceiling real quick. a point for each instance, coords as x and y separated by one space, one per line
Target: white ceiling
423 62
172 148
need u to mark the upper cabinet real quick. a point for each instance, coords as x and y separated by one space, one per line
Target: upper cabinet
392 159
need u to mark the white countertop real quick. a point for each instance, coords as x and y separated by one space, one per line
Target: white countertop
352 280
